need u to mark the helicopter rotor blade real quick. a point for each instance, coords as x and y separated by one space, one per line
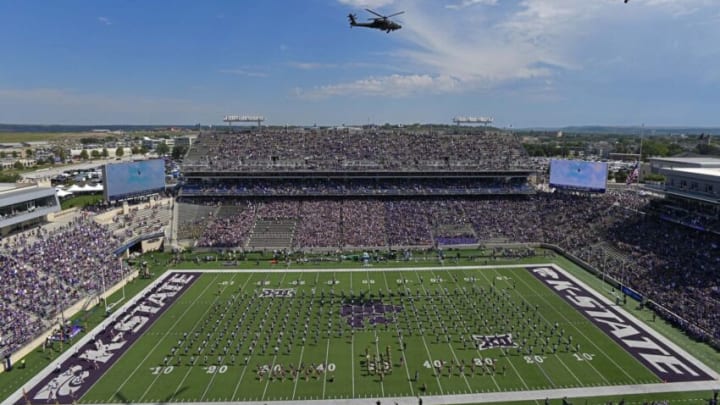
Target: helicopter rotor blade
393 15
377 14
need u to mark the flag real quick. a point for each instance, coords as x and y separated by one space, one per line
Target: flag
634 174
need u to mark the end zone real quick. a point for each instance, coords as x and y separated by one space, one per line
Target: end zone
665 359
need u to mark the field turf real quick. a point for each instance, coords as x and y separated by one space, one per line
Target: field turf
320 356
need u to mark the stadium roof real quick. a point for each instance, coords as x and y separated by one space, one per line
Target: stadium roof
25 194
709 172
7 187
695 161
692 196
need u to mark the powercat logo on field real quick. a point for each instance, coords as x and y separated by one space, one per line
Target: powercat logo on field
662 360
74 376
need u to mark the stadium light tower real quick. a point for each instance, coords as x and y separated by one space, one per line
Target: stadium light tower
473 120
244 118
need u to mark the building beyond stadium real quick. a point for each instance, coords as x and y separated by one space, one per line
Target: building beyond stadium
692 178
25 206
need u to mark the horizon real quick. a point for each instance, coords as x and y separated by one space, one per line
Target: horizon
587 128
527 63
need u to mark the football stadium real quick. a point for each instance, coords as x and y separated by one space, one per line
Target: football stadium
385 265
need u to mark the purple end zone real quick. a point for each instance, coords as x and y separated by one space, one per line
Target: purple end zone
74 376
662 360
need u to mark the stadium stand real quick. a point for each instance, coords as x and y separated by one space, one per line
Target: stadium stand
57 269
381 150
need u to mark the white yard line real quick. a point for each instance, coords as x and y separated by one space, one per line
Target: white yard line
267 383
327 355
427 349
327 352
352 349
509 359
397 329
352 362
377 345
297 378
377 352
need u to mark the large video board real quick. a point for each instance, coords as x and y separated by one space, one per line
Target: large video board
123 180
578 175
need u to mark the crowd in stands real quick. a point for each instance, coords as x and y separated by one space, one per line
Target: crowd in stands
325 215
229 228
353 151
357 187
694 217
363 223
43 273
673 265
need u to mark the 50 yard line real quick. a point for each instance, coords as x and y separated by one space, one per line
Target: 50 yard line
377 345
327 349
327 354
397 328
272 363
352 349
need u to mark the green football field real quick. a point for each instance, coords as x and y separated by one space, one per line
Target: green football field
309 335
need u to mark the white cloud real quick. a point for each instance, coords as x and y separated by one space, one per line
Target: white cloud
393 86
104 20
312 65
307 65
244 72
367 3
679 8
469 3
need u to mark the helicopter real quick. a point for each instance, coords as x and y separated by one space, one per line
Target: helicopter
382 22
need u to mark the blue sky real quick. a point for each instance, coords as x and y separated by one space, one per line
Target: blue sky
523 62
